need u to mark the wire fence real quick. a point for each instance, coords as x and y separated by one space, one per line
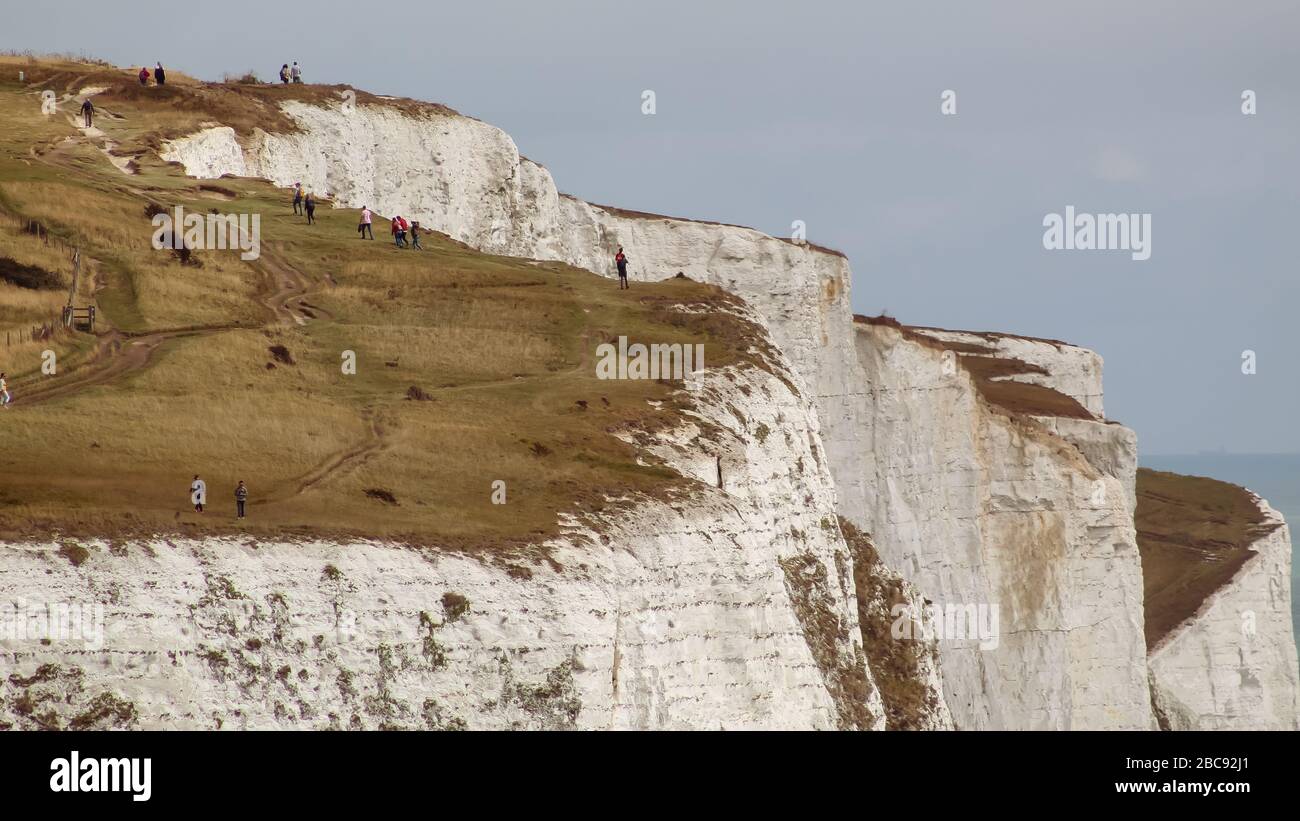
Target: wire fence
70 315
37 229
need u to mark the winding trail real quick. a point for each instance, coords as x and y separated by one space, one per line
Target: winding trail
284 291
346 460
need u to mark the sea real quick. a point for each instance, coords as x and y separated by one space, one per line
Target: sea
1275 476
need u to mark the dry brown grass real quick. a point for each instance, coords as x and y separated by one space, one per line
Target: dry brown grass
501 351
1194 534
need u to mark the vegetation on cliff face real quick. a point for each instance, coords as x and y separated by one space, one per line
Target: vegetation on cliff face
899 666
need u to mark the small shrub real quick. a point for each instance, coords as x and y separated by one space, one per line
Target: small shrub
454 605
74 553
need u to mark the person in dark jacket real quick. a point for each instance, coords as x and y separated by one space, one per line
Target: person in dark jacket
284 73
241 496
297 198
88 113
415 236
620 259
159 76
309 205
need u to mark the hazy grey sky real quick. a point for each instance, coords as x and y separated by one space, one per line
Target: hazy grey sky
829 113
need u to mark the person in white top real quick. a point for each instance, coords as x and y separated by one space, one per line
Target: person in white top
198 493
364 226
4 392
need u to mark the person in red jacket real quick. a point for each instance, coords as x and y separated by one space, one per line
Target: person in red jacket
621 261
144 76
399 231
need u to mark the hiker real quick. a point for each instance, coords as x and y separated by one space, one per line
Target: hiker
295 72
621 261
399 231
284 73
158 75
364 227
4 392
144 76
198 493
241 496
88 113
297 198
310 205
415 236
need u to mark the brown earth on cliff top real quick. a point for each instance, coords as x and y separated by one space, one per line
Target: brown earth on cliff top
1194 534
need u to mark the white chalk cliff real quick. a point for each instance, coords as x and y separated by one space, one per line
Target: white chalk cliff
739 606
1223 669
731 607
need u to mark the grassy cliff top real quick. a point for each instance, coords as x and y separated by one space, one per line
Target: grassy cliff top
470 368
992 374
1194 534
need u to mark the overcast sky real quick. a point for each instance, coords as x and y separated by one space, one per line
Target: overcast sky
830 113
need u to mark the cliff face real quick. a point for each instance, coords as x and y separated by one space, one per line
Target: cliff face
1216 559
1233 665
730 607
981 465
978 507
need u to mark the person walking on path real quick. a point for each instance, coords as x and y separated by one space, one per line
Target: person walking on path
309 205
144 76
4 392
296 73
399 231
198 493
415 236
364 227
620 259
297 198
88 113
284 73
241 496
159 75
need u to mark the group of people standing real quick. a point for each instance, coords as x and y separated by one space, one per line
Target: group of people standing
159 76
288 74
304 205
399 226
199 496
